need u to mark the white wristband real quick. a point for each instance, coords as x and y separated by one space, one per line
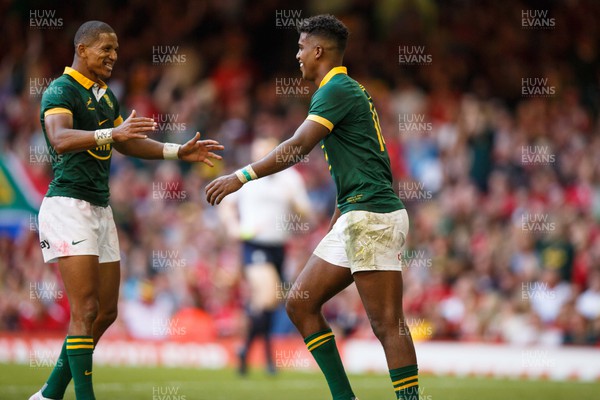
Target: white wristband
240 175
246 174
170 151
103 136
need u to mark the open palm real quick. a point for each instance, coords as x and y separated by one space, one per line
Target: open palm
196 150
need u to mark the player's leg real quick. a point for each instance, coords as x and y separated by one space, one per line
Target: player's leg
381 295
277 257
254 329
69 239
109 271
92 284
262 276
108 294
374 244
318 282
268 325
257 274
108 297
80 275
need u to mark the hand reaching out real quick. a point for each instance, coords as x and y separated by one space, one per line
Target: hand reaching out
196 150
133 127
221 187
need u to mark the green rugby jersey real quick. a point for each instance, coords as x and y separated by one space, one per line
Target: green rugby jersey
354 148
82 175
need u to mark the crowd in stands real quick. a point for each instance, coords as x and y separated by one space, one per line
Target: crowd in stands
493 136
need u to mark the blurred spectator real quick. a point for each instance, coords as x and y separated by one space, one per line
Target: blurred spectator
265 215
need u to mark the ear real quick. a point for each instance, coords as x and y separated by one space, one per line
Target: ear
80 50
318 52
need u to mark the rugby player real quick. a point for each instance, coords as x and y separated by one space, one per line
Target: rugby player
82 124
369 227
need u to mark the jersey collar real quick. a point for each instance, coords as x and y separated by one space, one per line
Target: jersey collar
331 73
82 79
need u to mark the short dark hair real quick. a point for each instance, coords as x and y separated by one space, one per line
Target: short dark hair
89 31
325 25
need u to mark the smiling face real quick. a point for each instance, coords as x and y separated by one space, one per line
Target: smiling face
99 56
307 56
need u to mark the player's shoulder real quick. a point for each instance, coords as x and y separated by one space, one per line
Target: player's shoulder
340 85
63 80
59 90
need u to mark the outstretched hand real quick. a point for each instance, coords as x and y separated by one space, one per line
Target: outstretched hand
133 127
196 150
221 187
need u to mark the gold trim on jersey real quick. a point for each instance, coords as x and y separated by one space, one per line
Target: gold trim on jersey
118 121
102 158
320 120
57 110
326 156
330 74
82 79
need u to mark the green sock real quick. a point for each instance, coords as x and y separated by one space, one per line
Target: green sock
323 348
80 350
60 377
406 382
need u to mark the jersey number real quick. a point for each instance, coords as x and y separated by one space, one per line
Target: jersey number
375 119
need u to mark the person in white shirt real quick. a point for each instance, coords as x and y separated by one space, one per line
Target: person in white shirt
548 295
264 215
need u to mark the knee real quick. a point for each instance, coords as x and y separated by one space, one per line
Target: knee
291 307
85 311
295 308
107 317
298 307
385 327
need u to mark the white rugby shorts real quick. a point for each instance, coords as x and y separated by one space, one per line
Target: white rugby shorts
73 227
366 241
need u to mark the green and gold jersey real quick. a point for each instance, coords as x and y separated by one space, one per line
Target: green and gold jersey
354 148
84 174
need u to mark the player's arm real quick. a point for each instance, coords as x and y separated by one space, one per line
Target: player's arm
65 139
304 140
286 154
194 150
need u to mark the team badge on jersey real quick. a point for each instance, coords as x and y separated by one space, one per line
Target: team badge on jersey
89 102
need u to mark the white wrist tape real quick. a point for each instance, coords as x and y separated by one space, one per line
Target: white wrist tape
103 136
246 174
170 151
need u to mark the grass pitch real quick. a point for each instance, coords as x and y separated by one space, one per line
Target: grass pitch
20 381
